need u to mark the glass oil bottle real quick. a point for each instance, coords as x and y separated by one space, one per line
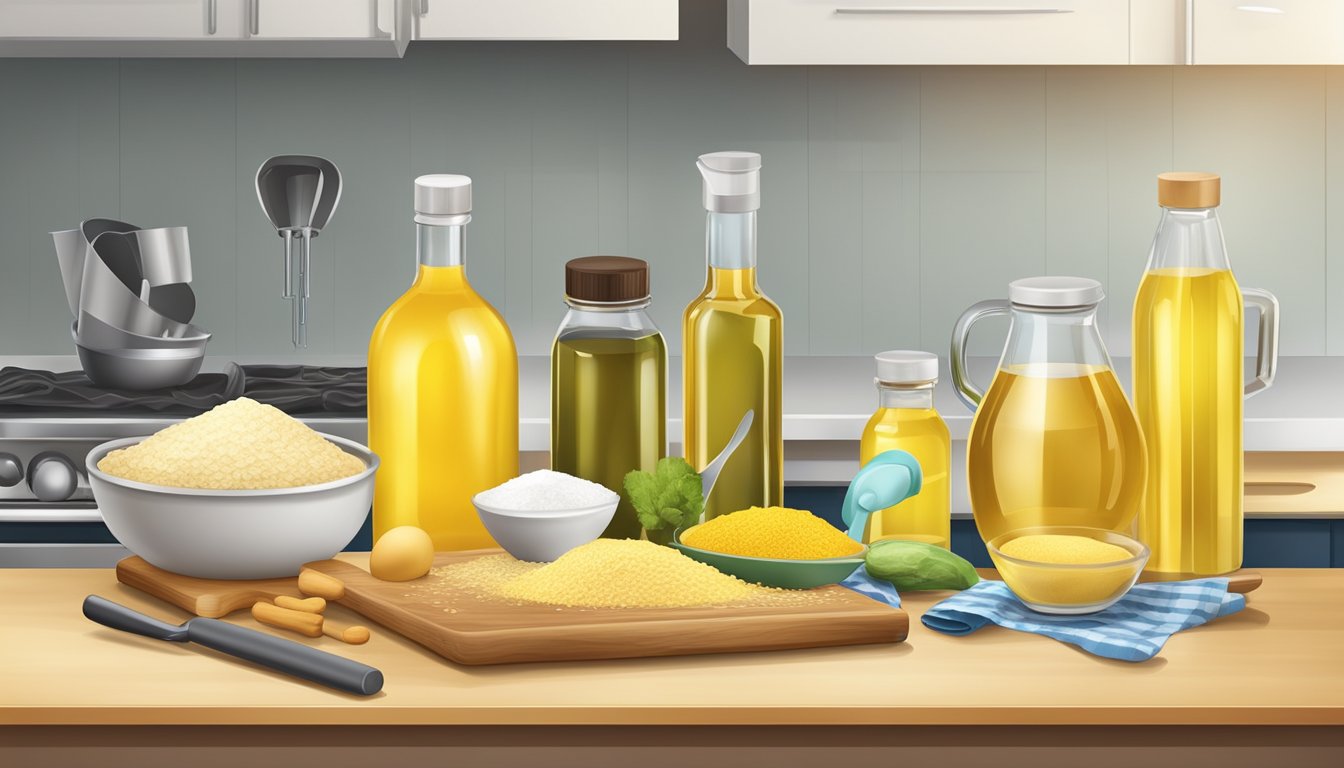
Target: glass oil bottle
732 338
608 381
443 385
906 420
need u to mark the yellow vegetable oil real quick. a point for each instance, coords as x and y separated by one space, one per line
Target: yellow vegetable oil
1188 388
608 381
732 339
1055 444
906 420
443 386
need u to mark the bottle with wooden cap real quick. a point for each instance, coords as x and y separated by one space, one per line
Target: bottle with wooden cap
608 380
443 385
1188 390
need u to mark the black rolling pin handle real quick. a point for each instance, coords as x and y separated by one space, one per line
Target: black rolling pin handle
116 616
286 656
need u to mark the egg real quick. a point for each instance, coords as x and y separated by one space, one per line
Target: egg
402 554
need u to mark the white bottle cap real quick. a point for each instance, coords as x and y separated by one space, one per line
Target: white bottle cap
732 181
1055 292
906 366
443 199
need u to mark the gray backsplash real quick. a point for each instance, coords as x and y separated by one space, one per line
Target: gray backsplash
893 197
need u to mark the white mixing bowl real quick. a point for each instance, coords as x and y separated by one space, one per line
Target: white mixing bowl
213 534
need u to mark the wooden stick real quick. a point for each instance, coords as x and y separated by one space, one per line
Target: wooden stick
304 623
320 584
307 605
355 635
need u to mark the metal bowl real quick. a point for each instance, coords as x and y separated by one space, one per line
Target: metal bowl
96 334
213 534
140 369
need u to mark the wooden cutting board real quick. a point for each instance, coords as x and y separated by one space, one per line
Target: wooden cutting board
469 629
211 598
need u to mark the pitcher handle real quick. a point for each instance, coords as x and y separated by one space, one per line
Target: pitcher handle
961 378
1267 350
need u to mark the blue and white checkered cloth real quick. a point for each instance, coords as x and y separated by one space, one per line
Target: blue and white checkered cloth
879 590
1134 629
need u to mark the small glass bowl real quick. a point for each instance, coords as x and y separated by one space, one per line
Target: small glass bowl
1069 589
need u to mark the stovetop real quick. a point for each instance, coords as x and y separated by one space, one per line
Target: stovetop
294 389
50 421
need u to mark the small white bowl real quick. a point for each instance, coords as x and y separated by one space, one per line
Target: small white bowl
541 536
212 534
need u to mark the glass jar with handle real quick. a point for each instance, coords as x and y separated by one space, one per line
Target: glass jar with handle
1188 390
1054 441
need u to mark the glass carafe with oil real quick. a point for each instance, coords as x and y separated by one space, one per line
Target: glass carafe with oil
906 420
1188 391
443 385
732 338
608 381
1053 441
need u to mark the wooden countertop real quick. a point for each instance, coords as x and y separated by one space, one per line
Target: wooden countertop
1279 662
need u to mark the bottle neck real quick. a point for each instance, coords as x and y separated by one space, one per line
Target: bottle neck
1188 238
1067 340
730 240
912 396
440 245
591 319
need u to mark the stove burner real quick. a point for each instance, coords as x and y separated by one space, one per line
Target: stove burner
294 389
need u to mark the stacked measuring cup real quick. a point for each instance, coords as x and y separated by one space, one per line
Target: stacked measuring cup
129 291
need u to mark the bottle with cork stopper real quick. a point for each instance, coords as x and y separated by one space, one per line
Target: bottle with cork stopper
608 381
907 420
443 385
1188 387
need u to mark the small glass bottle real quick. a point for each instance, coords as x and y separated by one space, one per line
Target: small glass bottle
608 381
906 420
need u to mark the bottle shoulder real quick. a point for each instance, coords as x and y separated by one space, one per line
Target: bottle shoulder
423 315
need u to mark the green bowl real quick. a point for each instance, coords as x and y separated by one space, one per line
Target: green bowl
776 572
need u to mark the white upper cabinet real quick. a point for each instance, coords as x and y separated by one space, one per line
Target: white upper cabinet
1265 32
929 31
146 19
270 28
546 19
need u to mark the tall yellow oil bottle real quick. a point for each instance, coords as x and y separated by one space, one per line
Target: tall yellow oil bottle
732 337
1188 388
443 385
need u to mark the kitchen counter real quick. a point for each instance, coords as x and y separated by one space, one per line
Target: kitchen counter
1271 669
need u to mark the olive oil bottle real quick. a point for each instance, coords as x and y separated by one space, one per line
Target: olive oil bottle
443 385
608 381
732 338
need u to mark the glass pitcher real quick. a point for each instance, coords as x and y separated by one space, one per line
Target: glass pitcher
1054 441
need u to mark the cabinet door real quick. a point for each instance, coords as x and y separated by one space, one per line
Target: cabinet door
1267 32
929 31
319 19
110 19
546 19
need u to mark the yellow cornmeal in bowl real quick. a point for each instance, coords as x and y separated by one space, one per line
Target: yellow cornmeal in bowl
772 532
1054 569
1064 549
239 445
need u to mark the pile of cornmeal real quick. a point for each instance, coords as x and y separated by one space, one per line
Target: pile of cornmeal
239 445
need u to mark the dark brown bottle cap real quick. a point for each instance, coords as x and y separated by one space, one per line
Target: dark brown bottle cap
607 279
